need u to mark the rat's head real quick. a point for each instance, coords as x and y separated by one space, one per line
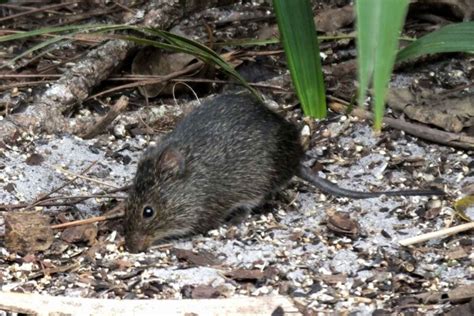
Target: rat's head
155 207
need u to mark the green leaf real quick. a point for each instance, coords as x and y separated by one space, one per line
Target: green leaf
298 35
458 37
378 27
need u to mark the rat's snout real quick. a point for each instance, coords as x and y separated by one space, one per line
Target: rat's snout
136 242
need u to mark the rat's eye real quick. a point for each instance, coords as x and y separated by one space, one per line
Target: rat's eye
148 212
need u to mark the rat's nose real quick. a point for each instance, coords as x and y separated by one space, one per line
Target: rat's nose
136 243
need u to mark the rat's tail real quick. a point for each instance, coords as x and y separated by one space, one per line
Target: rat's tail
330 188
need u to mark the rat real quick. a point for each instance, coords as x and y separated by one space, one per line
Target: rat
221 160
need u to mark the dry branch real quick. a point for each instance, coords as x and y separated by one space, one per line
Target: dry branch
418 130
87 221
51 305
438 234
114 213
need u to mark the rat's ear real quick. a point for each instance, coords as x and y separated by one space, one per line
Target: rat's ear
170 163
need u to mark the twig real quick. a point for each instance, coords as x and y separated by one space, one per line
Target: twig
86 221
44 197
23 84
71 200
16 76
440 233
116 212
102 123
55 201
89 179
421 131
36 10
193 67
162 246
149 78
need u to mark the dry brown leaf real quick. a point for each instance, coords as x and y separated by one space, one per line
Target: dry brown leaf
198 259
450 113
27 232
82 233
153 61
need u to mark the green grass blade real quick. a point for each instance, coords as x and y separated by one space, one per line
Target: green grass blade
185 45
391 20
53 30
365 25
378 28
41 45
298 35
175 43
205 53
190 45
262 42
458 37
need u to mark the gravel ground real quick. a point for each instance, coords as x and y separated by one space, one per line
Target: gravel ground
288 247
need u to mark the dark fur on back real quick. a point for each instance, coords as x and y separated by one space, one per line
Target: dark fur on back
227 154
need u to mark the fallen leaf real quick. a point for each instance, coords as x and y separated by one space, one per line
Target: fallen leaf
332 20
341 222
205 291
81 233
456 253
456 295
430 108
155 62
199 259
27 232
333 278
246 275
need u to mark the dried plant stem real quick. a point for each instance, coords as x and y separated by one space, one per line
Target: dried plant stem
116 212
88 178
46 196
440 233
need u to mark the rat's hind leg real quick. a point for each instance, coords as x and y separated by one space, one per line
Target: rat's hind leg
237 215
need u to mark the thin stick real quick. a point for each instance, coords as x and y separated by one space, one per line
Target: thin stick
16 76
23 84
418 130
47 195
70 200
440 233
103 122
160 78
89 179
86 221
184 71
36 10
116 212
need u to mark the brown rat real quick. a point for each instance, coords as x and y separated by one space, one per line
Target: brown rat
221 160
